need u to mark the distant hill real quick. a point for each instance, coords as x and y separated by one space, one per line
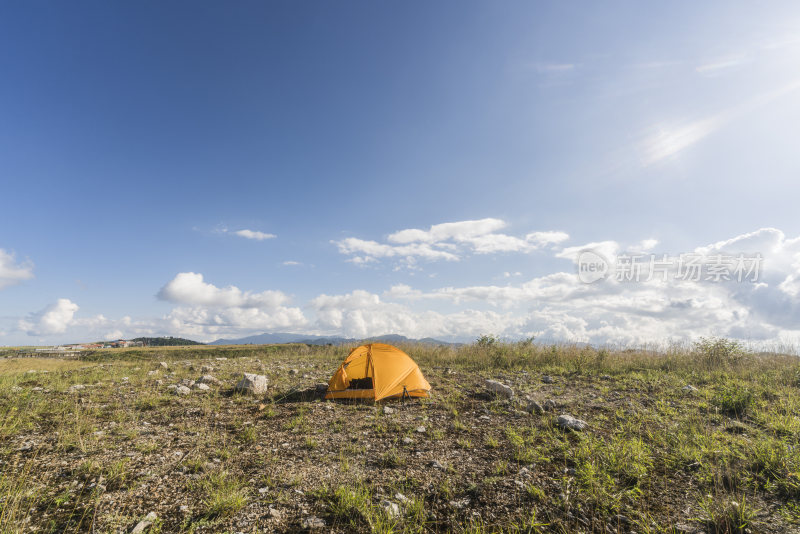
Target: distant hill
165 341
309 339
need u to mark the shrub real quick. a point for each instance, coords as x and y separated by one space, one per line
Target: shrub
719 352
734 400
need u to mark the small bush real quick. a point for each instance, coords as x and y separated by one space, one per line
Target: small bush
734 400
719 352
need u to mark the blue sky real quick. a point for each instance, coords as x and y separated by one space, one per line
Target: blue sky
138 138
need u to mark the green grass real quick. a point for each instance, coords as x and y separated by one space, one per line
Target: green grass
223 495
734 442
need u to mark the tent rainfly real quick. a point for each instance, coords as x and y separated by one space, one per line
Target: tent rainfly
377 371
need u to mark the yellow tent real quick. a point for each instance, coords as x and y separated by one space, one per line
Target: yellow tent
377 371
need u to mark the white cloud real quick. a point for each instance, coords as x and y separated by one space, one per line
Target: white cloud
546 238
559 306
669 139
446 241
555 306
206 310
721 64
291 263
12 272
607 249
189 288
460 231
54 319
254 234
114 335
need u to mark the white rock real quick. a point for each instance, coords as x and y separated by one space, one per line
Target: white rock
388 410
500 389
148 520
547 379
200 386
391 508
421 429
407 440
688 388
182 390
164 365
312 522
209 379
253 384
567 421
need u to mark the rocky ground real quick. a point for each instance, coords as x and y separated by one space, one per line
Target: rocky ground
148 445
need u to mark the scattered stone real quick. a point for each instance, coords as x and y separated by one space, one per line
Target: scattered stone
293 371
402 498
208 379
571 423
388 410
459 505
391 508
605 377
437 465
421 429
76 387
152 373
186 382
550 405
148 520
312 522
274 513
262 491
206 369
407 440
500 389
534 407
201 386
164 365
688 388
547 379
182 390
184 509
252 383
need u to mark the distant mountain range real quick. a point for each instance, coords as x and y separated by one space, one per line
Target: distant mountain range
308 339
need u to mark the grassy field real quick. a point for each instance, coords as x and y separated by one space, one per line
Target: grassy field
95 445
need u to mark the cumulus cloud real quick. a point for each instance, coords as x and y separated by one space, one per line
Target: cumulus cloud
190 288
11 272
254 234
446 241
205 309
560 306
362 314
54 319
553 306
